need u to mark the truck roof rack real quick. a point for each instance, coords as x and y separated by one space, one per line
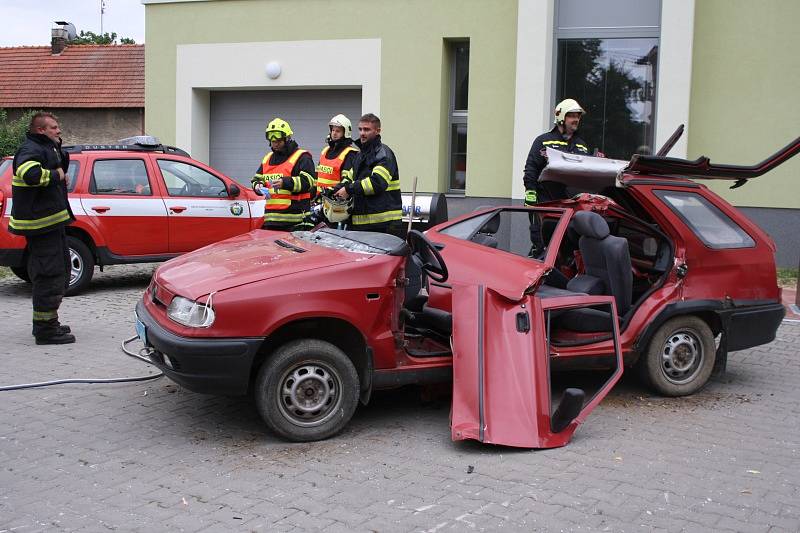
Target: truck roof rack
78 148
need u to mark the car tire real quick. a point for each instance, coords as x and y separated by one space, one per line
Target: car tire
22 273
326 401
81 262
680 357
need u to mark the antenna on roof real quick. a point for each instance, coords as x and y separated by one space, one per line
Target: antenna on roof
102 10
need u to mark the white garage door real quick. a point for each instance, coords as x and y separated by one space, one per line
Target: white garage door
238 120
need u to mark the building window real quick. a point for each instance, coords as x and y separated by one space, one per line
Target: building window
607 59
459 111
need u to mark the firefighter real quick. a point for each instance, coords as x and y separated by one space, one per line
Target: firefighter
287 173
336 159
564 138
40 212
375 189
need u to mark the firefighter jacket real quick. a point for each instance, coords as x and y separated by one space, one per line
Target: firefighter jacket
40 197
288 204
535 191
376 186
336 163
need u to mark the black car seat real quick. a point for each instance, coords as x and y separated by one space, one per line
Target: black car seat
486 234
607 263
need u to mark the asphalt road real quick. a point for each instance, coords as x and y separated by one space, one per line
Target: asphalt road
152 456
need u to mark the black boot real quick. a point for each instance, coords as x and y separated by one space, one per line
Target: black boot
58 338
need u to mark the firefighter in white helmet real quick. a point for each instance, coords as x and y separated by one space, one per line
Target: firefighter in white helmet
336 159
564 138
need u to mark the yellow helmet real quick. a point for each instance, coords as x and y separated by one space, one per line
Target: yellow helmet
343 122
567 106
336 210
278 129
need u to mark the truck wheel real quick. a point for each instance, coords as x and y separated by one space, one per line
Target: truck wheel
307 390
22 273
81 263
680 357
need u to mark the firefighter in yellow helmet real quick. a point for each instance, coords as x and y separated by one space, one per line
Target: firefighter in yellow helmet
336 159
564 138
286 176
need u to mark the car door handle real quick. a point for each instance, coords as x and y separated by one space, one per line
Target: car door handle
100 208
177 209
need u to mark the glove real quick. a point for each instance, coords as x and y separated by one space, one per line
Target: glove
530 197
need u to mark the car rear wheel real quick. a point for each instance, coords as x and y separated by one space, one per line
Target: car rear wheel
22 273
81 263
680 357
307 390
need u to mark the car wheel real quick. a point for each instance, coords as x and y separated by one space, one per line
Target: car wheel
22 273
680 357
307 390
81 262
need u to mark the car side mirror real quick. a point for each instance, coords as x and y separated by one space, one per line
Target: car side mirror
568 408
234 190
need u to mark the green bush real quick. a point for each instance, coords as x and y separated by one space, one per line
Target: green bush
12 132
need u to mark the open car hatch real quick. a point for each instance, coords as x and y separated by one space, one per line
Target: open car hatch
504 389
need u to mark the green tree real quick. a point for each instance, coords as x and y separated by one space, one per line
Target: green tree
89 37
12 132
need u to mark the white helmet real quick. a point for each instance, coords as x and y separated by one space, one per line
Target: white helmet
566 106
343 122
336 210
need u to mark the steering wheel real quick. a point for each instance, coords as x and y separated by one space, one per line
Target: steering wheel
429 257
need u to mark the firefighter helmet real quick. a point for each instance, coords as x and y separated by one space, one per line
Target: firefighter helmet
343 122
278 129
566 106
336 210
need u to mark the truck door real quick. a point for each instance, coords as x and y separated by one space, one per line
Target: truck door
199 207
125 207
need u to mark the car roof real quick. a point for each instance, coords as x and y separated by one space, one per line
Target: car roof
594 174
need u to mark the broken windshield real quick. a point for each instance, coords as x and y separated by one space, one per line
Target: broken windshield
361 242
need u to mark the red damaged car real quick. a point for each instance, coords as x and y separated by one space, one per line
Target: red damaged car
644 269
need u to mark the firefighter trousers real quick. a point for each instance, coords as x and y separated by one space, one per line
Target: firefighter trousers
48 268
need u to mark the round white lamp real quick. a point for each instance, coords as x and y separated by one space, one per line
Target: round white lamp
273 70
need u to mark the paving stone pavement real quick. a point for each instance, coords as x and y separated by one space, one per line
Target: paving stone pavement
154 457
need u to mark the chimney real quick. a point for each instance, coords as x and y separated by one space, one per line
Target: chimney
61 35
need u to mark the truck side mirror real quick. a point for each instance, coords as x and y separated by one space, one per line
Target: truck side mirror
233 190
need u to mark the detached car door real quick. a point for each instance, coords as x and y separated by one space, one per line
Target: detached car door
504 388
122 203
199 206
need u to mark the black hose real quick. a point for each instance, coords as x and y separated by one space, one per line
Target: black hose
93 380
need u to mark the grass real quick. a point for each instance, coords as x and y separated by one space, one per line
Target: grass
5 272
787 277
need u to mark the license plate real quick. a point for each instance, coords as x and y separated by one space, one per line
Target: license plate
141 331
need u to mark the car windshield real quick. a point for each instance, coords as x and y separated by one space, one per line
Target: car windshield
508 230
362 242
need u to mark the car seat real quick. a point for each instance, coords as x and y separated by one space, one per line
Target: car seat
486 234
607 263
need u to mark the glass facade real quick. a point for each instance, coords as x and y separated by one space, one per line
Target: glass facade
615 81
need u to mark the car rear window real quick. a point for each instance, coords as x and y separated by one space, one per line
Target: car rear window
4 164
72 174
120 176
716 229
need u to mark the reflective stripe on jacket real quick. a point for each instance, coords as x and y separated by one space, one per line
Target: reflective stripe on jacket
40 197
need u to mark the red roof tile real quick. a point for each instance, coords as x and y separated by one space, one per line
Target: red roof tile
81 76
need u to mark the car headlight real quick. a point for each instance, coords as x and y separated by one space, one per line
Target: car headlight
189 313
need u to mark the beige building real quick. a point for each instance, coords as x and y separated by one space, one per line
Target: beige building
463 86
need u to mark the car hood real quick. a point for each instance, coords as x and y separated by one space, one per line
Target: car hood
244 259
